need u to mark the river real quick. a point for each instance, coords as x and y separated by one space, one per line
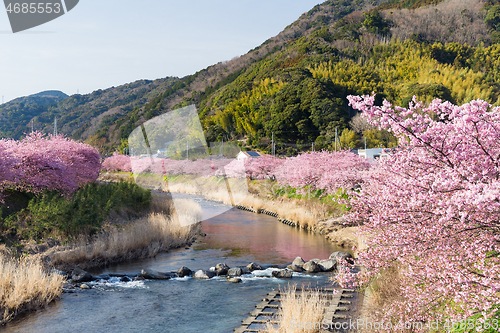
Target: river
182 305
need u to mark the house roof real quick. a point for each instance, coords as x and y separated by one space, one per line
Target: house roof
253 153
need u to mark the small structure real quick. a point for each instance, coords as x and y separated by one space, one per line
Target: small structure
372 153
243 155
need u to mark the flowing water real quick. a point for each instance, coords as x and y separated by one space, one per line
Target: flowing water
183 304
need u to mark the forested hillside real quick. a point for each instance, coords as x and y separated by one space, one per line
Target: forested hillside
16 115
79 116
297 92
294 86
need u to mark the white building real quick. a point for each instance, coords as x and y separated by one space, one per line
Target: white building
372 153
243 155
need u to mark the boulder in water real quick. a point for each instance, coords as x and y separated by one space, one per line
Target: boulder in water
154 275
295 268
311 267
221 269
254 267
203 275
282 274
299 262
183 271
235 271
344 255
327 265
233 279
79 275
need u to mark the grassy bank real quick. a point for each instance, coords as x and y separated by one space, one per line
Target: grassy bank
25 286
161 230
99 225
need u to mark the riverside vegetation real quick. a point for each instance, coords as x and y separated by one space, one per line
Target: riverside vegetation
54 213
428 210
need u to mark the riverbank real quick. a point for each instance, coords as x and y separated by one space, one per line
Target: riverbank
260 196
163 229
29 283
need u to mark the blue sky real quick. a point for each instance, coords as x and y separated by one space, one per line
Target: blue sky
107 43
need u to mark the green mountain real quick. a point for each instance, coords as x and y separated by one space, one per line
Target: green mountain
294 86
79 116
16 115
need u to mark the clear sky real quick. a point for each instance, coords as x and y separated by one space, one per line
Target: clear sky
104 43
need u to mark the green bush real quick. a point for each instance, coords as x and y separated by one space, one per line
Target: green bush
82 214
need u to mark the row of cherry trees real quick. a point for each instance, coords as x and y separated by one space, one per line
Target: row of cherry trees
54 163
323 170
433 209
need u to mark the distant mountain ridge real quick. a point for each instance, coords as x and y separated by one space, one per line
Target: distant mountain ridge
79 116
50 93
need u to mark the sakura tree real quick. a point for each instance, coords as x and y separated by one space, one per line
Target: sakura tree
117 162
52 163
263 167
324 170
433 208
8 174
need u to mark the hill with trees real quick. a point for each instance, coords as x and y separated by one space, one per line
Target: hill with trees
294 86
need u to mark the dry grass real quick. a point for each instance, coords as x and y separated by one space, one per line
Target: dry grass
299 313
384 290
143 238
25 286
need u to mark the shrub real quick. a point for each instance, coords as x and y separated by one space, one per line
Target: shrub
84 212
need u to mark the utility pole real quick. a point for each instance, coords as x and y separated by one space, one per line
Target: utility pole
336 138
187 149
313 146
365 142
272 145
55 126
31 125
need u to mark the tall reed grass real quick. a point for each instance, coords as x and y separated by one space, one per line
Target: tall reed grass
299 313
25 286
164 229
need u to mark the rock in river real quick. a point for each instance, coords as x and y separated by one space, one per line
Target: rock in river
295 268
254 267
221 269
79 275
299 262
154 275
327 265
235 271
311 267
203 275
184 271
282 274
233 279
344 255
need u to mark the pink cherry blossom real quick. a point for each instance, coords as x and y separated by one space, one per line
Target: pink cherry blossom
433 208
